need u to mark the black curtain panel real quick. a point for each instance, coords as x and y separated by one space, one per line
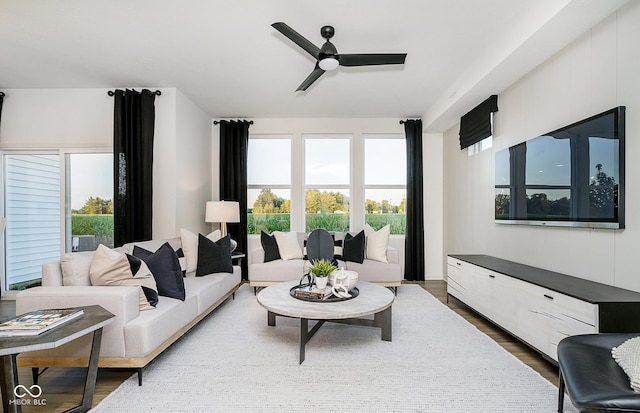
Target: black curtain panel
1 100
234 141
414 234
476 124
133 127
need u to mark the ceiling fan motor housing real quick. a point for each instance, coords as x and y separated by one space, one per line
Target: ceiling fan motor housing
327 32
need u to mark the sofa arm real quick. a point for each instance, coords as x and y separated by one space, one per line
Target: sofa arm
393 255
121 301
257 256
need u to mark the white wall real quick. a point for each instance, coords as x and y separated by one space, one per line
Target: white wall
83 118
597 72
57 118
193 165
432 158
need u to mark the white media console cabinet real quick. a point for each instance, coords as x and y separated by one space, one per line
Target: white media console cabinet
537 306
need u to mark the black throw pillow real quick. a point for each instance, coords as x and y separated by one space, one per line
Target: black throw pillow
270 247
183 261
165 267
213 257
353 247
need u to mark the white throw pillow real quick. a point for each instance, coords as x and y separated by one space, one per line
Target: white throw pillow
627 355
288 245
377 242
190 246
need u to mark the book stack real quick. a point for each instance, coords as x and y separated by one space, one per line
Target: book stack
37 322
313 292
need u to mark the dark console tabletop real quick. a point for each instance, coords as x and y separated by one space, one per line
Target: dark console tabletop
585 290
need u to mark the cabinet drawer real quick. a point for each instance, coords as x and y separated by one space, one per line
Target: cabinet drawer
455 274
572 308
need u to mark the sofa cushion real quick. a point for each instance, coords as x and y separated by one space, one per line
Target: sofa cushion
211 288
110 267
213 257
277 271
377 242
353 247
150 329
627 355
75 268
165 267
270 247
190 246
288 245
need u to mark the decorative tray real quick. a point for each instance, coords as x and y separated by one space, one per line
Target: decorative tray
332 299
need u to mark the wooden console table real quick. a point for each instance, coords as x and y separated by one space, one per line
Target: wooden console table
537 306
93 320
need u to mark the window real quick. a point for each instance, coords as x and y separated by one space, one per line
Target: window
38 228
32 209
385 177
269 183
327 181
335 181
484 144
89 206
478 147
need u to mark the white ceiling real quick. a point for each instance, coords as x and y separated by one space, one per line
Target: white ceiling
226 57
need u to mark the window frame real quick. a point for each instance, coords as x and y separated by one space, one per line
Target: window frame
381 136
289 187
327 186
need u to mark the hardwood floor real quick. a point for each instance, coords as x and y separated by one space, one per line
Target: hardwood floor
62 388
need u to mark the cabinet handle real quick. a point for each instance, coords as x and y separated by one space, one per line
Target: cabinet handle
492 276
548 296
458 263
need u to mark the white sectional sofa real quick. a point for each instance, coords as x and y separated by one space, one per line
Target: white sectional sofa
262 273
135 337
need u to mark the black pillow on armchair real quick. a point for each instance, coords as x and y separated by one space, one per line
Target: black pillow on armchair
353 247
270 247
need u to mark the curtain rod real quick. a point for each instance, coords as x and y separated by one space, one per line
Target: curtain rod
112 93
215 122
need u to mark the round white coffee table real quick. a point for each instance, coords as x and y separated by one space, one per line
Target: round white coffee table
373 299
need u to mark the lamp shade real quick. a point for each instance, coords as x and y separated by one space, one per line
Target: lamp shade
222 211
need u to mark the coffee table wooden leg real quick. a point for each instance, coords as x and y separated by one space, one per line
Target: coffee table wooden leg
383 320
271 318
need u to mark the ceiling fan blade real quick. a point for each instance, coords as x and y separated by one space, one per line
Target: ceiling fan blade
317 72
371 59
297 38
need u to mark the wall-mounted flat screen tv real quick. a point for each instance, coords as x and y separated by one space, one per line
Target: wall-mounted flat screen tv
573 176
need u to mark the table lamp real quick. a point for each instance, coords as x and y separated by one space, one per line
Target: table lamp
223 212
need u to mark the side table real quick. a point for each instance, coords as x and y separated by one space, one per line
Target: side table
237 256
93 320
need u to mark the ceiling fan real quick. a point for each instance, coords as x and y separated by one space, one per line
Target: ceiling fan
328 58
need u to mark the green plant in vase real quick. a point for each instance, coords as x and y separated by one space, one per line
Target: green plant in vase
321 270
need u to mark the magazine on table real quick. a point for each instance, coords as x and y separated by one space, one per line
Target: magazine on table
39 321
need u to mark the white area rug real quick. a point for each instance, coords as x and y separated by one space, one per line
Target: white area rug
437 362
